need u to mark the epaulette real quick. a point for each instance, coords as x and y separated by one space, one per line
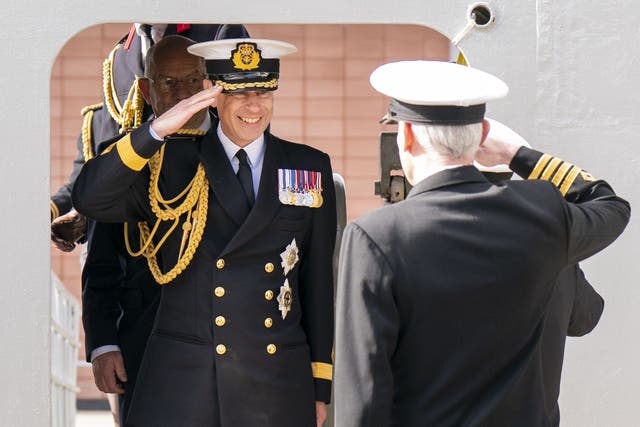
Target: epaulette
87 137
562 174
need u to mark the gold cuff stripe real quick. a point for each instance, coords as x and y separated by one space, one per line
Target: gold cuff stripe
55 212
321 370
537 170
129 157
562 172
568 182
550 169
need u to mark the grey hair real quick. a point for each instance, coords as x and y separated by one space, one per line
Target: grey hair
455 142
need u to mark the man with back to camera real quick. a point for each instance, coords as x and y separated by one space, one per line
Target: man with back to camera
244 239
441 298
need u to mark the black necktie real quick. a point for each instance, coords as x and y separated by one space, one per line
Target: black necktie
244 176
146 29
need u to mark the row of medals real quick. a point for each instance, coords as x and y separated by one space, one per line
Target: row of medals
311 198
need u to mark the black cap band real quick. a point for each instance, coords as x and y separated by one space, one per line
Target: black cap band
434 114
225 66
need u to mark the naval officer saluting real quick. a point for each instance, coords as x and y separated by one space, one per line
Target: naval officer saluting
441 298
243 333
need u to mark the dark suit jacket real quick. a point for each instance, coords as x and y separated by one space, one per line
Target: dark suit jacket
574 310
441 299
183 381
119 296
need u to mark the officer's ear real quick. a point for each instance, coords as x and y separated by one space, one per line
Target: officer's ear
486 127
409 137
143 84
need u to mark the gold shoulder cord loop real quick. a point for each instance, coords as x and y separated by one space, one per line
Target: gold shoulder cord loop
194 205
129 115
87 114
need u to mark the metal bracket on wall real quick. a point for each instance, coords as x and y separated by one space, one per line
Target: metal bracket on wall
479 15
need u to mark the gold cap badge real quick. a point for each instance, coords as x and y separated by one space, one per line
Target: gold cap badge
246 56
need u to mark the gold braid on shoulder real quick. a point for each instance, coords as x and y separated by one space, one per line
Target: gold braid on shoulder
87 118
195 202
129 115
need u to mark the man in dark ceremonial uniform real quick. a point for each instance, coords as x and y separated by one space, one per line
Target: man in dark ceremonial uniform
441 298
246 226
119 296
123 108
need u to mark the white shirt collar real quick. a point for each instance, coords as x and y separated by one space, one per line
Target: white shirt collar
254 150
157 32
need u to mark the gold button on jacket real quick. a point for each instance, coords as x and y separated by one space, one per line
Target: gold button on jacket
219 292
268 322
268 295
220 264
221 349
220 321
271 349
269 267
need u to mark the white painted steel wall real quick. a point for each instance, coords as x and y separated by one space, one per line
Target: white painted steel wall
65 326
572 68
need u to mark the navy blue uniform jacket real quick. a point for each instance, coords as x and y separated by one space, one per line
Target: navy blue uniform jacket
183 380
441 298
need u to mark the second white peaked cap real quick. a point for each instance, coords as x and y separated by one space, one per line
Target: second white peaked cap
419 88
221 49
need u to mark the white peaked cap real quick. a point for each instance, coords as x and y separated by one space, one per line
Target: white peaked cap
221 49
436 83
436 92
